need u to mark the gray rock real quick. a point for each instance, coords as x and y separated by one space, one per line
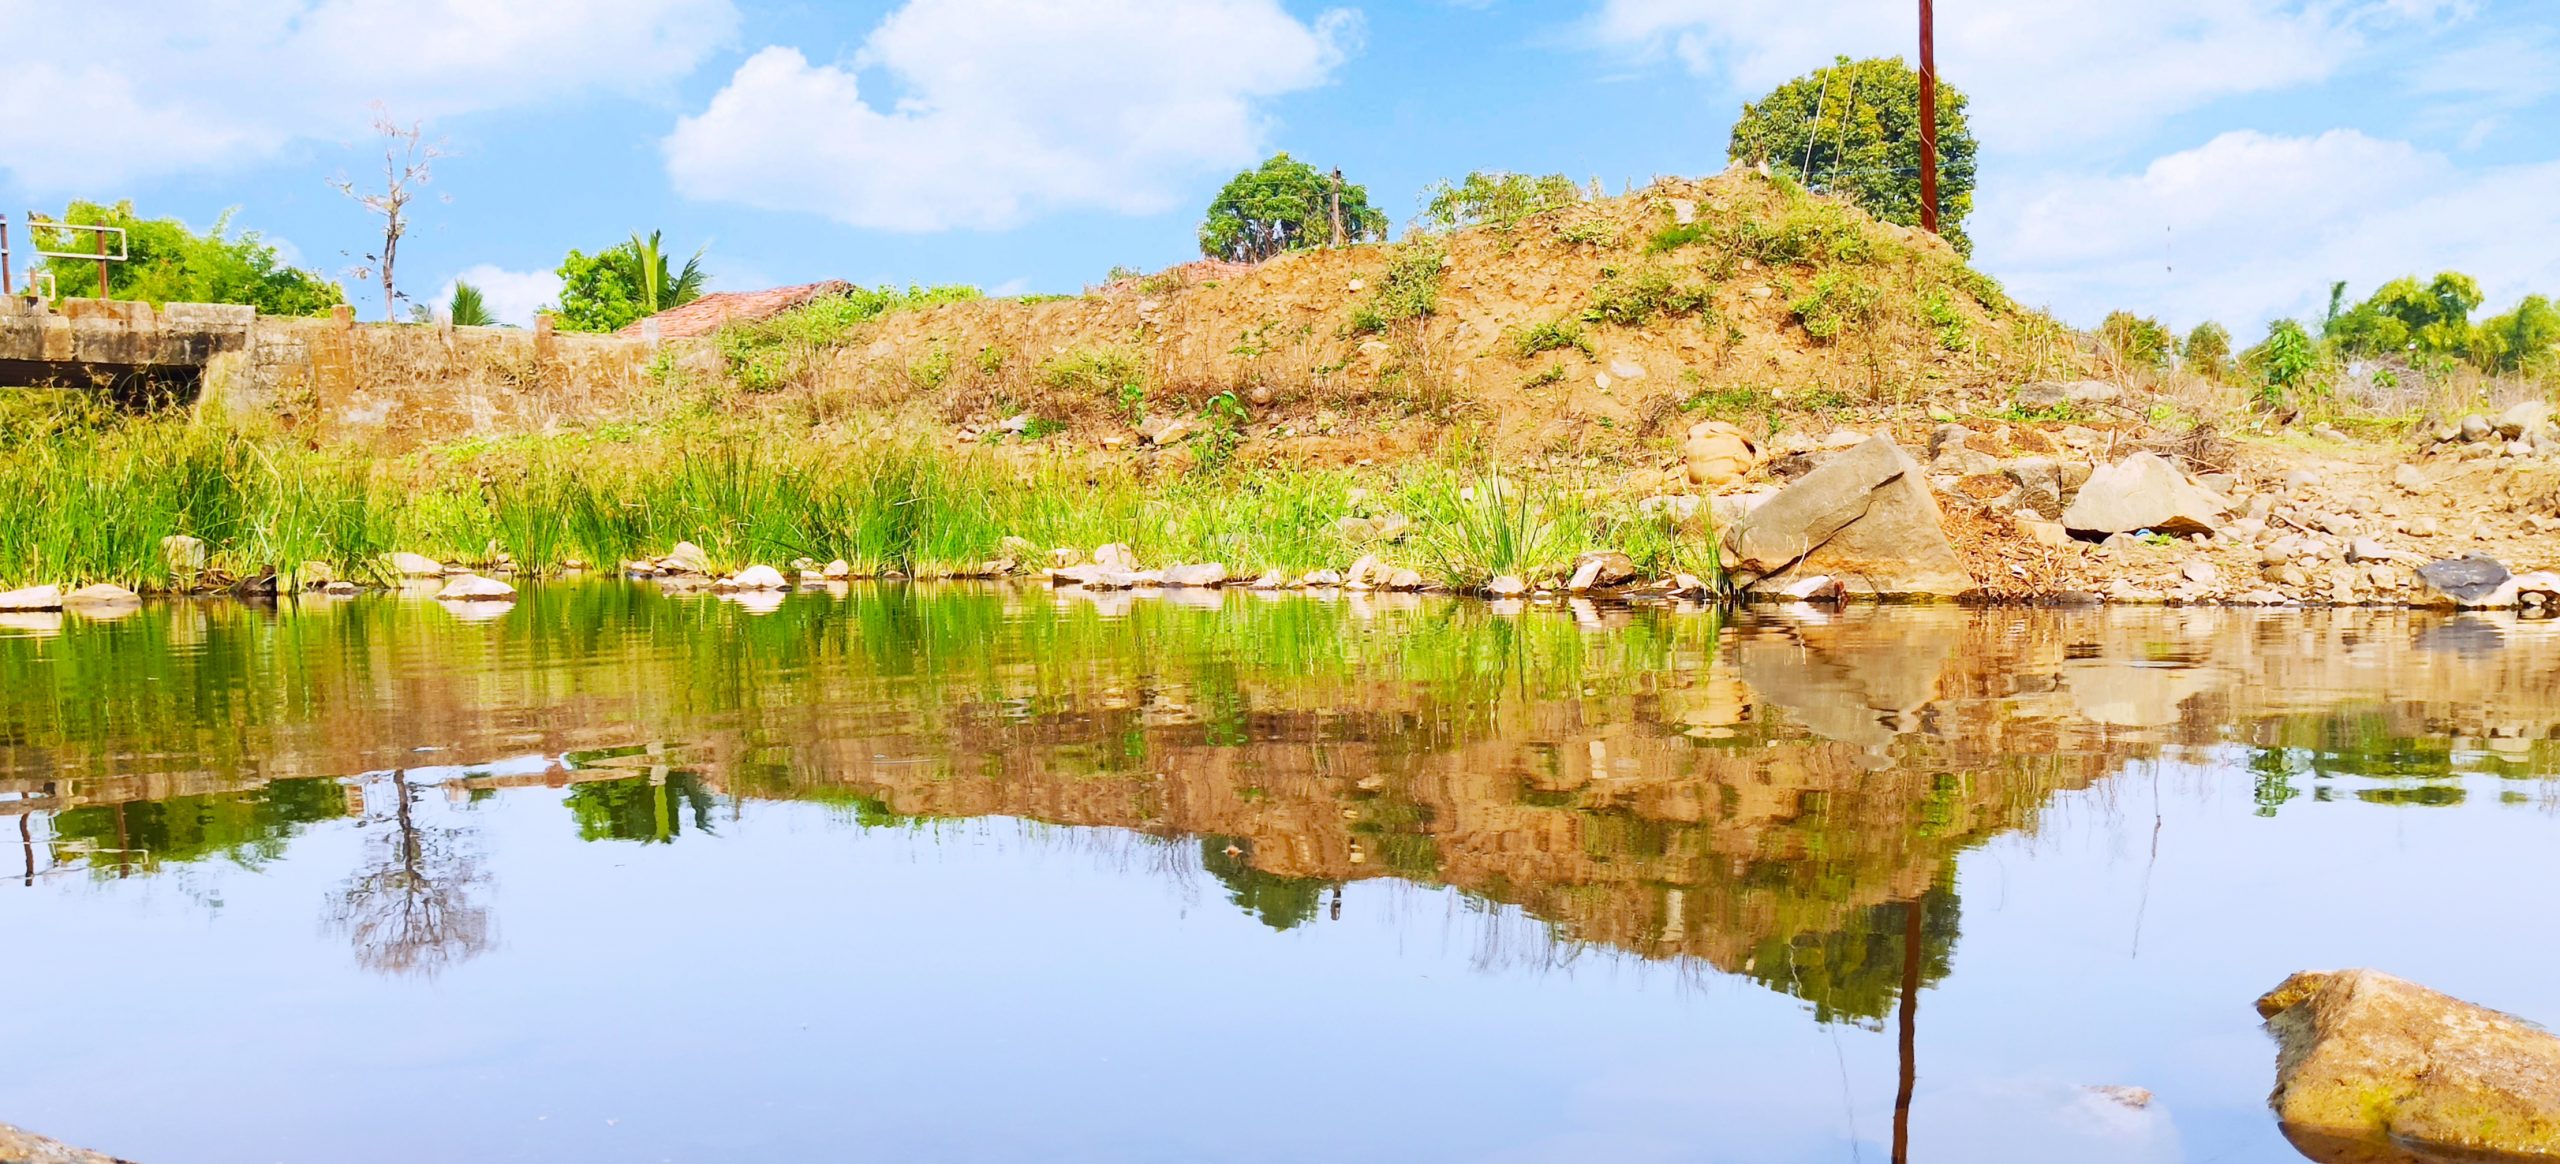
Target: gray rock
409 565
1947 436
2047 395
1506 586
686 558
2476 428
2465 580
1116 557
103 594
1864 517
2143 492
2372 1069
2409 479
759 578
2521 420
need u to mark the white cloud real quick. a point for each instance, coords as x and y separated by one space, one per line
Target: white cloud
1006 109
2250 226
512 296
188 85
2042 72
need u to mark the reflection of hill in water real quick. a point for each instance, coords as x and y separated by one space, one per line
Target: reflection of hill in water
1763 796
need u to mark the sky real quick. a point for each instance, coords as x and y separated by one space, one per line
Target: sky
2189 159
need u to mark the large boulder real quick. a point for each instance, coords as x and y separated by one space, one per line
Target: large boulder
2143 492
1717 453
2372 1069
474 588
2471 581
759 578
1865 518
1203 575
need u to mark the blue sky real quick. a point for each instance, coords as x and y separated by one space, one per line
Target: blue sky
2189 158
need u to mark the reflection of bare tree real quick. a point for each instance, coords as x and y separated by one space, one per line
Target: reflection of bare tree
409 910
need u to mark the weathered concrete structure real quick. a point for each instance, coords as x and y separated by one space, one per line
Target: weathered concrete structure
387 383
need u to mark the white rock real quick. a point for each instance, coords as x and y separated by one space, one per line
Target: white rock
32 598
837 571
760 578
1507 586
686 558
409 565
184 554
1321 579
1364 574
1203 575
474 588
1116 557
1404 580
1820 587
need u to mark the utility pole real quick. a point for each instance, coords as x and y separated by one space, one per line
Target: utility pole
1336 186
1928 120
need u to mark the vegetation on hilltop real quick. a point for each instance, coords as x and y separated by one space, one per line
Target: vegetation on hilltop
1853 129
1284 205
625 283
170 263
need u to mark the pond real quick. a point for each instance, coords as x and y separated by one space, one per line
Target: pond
913 873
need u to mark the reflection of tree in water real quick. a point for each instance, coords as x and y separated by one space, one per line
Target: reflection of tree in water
409 910
1280 902
1857 971
640 809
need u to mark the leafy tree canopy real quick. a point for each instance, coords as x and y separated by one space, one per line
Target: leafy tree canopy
1496 198
1854 129
2526 339
172 264
2138 340
613 288
2404 315
1284 205
2208 350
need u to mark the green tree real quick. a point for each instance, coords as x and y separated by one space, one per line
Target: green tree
468 308
2138 340
171 264
1283 205
2208 350
1854 129
2526 339
2284 361
1495 198
2405 316
620 285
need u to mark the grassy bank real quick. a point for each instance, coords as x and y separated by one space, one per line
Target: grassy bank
89 497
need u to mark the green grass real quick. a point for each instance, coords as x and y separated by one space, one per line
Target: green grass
1548 337
89 499
777 353
1408 289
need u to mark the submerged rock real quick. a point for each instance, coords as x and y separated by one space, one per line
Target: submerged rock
2143 492
2372 1069
31 598
1865 518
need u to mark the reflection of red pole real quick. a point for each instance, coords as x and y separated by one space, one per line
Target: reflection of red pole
1928 120
1910 1019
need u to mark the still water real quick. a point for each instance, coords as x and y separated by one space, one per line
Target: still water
987 874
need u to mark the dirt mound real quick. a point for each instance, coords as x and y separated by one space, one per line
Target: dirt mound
1594 331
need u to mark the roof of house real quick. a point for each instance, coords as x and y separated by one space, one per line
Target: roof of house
705 315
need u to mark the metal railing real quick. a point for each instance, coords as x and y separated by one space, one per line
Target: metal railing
34 223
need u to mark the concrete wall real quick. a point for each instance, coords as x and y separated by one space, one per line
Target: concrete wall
393 384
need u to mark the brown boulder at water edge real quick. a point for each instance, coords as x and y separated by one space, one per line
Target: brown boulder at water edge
2372 1069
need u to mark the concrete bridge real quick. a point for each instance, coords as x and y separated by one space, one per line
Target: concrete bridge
132 351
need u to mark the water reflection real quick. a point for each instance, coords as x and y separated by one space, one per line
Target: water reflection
1766 796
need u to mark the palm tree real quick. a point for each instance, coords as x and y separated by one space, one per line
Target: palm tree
469 309
658 287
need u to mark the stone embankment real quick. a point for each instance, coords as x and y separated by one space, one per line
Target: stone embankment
2371 1069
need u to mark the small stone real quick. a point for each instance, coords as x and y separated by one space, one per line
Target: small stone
1404 580
341 588
474 588
1272 579
409 565
1506 586
759 578
2476 428
837 571
686 558
1321 579
103 594
1364 574
2409 479
1116 557
2048 534
2200 572
1205 575
1601 570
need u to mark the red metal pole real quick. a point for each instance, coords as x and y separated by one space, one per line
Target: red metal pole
101 236
1928 120
7 288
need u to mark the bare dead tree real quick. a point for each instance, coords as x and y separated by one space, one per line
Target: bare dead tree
408 162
